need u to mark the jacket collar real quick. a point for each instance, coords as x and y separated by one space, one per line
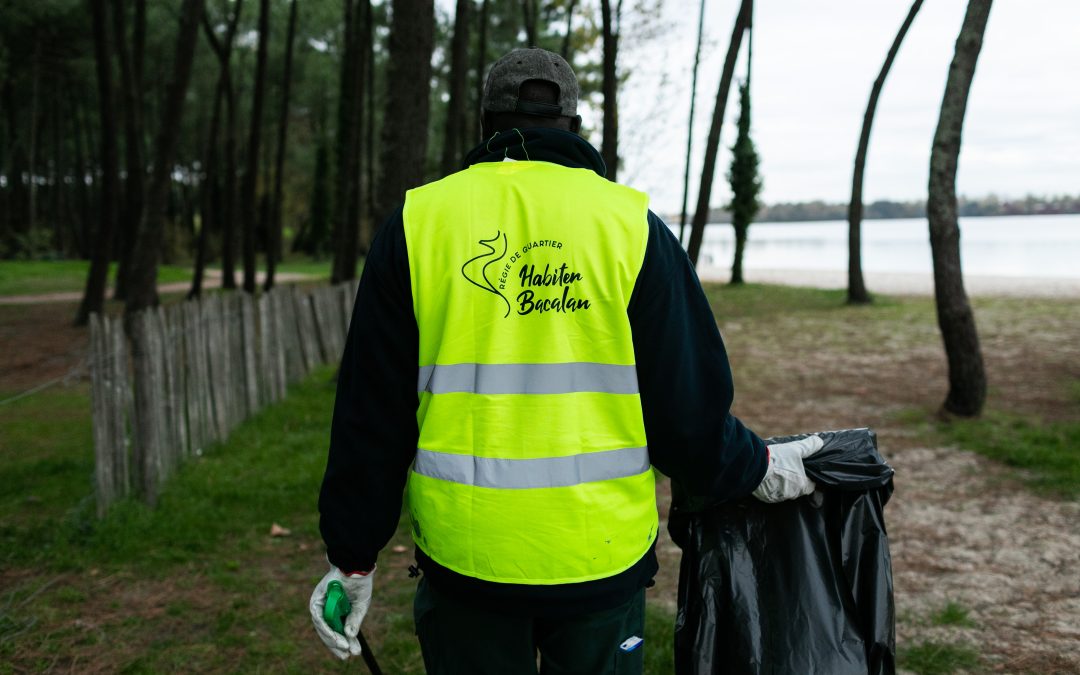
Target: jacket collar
539 144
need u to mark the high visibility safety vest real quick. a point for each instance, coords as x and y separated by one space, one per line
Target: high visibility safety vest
532 465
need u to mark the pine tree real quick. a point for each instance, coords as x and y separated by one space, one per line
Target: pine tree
745 182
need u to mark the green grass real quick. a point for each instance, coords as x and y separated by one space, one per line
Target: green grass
938 658
269 470
319 269
25 277
1048 453
20 277
952 614
195 584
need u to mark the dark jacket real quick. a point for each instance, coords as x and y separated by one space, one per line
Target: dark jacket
683 377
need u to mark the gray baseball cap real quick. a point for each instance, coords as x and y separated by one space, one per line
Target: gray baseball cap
506 75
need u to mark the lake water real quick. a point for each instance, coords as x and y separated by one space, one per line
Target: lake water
1019 246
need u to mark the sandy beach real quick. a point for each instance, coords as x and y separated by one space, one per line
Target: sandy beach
894 283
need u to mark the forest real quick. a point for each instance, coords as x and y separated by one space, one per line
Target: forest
231 132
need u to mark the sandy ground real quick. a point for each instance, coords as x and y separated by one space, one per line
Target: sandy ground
910 284
962 528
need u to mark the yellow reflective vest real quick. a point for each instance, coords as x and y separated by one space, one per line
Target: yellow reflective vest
532 465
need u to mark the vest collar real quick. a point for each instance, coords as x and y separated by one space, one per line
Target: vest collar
539 144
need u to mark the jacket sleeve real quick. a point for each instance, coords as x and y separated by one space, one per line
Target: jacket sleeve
374 432
685 379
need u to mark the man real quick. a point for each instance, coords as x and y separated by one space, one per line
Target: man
521 328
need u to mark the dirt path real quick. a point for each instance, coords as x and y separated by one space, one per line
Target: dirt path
212 280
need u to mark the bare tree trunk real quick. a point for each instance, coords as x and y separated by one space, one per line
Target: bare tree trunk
208 197
712 147
94 293
248 204
857 293
225 190
35 100
565 51
529 11
481 63
138 48
609 145
357 241
967 377
690 123
412 37
454 138
273 245
369 120
78 125
143 290
342 237
134 183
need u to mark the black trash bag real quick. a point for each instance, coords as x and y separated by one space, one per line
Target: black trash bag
803 586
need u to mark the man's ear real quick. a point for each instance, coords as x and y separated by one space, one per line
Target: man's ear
575 124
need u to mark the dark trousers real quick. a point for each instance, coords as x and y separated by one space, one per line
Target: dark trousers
459 639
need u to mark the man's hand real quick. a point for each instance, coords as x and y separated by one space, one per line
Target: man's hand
785 478
358 589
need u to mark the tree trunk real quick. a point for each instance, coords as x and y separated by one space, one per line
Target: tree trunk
712 146
78 124
565 51
208 198
248 203
357 241
142 292
529 11
690 123
346 143
454 140
740 248
35 100
94 294
967 378
857 293
404 143
224 190
481 63
609 145
273 246
369 118
134 184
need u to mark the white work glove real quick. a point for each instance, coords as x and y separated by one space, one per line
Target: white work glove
786 478
358 589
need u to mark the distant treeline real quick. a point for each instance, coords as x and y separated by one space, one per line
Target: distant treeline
786 212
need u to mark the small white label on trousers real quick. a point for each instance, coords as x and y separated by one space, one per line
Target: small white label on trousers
631 643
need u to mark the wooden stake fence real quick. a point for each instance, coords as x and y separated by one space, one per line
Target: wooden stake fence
189 373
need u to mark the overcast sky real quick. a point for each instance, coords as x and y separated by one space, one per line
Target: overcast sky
814 64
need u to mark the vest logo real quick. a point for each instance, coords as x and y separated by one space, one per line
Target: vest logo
477 274
536 283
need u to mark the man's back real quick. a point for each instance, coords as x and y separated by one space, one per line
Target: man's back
532 465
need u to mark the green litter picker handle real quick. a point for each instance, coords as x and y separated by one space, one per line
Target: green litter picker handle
337 607
335 610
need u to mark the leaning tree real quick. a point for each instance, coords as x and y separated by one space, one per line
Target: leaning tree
712 145
967 377
857 293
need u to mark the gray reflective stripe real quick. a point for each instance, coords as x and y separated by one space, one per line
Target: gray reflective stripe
532 473
528 378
